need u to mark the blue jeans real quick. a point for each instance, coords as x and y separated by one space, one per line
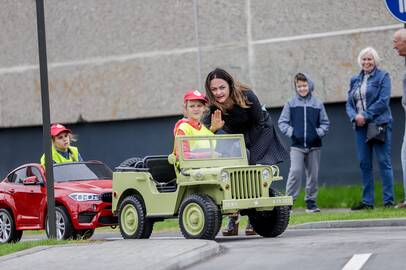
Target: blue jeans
383 153
403 158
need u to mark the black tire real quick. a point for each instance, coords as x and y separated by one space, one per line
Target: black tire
199 217
149 226
64 228
271 223
131 162
219 220
8 232
83 234
131 219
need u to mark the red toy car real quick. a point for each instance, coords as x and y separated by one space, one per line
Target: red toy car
82 200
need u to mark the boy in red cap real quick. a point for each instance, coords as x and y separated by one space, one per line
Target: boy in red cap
191 125
62 151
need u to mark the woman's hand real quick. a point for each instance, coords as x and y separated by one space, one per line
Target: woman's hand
360 120
216 121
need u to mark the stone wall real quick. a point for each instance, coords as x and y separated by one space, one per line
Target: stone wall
129 59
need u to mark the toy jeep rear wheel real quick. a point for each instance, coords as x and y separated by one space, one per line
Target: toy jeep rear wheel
132 220
199 217
131 162
271 223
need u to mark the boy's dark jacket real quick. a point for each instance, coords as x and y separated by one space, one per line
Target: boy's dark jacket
304 119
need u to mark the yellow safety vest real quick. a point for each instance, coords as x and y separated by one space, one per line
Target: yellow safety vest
58 158
191 131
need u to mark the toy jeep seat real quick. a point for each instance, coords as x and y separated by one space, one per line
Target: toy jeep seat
162 172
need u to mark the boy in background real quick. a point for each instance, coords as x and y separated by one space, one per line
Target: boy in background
304 120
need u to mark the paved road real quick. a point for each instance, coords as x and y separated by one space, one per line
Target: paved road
380 248
343 248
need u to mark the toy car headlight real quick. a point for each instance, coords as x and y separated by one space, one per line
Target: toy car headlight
266 174
198 176
224 176
84 197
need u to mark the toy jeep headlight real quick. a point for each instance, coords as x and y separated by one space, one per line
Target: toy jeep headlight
266 174
198 176
224 176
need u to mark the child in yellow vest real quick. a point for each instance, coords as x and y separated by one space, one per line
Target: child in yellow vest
195 106
62 151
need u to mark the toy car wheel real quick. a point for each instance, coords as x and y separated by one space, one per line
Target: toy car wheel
8 232
199 217
271 223
132 221
149 225
64 229
218 221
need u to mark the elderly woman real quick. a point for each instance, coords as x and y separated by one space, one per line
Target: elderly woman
368 108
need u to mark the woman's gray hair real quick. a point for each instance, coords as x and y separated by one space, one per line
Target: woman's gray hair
374 54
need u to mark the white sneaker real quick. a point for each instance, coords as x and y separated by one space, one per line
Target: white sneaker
313 210
401 205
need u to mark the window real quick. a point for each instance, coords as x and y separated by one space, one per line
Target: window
35 171
18 176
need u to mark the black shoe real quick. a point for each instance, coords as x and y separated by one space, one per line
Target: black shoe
388 205
362 206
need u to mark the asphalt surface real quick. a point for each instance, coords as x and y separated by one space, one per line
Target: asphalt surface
155 253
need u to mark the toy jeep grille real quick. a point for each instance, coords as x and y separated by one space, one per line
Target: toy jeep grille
246 184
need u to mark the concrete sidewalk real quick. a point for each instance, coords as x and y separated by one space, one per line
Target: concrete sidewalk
118 254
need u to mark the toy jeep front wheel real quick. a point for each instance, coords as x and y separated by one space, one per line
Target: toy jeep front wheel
132 220
271 223
199 217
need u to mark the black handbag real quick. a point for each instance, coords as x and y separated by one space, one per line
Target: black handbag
376 133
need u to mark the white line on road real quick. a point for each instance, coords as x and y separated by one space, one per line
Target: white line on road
357 261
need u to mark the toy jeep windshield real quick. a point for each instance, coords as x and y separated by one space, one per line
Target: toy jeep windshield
207 177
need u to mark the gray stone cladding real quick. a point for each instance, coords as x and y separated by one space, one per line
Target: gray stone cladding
128 59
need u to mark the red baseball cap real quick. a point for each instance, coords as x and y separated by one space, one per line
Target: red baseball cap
194 95
56 129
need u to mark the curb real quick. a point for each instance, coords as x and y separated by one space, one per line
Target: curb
23 253
209 249
352 224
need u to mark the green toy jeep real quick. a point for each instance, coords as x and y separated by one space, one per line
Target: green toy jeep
208 177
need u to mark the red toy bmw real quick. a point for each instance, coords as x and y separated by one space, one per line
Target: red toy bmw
82 200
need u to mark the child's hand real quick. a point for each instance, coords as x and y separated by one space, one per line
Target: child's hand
216 121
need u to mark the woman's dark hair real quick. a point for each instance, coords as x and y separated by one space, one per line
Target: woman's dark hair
236 90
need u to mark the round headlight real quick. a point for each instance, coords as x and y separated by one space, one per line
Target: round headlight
266 174
224 176
198 176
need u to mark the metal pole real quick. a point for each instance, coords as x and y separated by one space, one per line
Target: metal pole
199 55
46 123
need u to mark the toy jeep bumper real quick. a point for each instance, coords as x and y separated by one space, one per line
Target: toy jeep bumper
260 204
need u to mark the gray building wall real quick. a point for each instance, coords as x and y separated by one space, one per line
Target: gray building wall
115 60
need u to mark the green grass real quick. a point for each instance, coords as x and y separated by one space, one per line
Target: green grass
346 196
14 247
377 213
